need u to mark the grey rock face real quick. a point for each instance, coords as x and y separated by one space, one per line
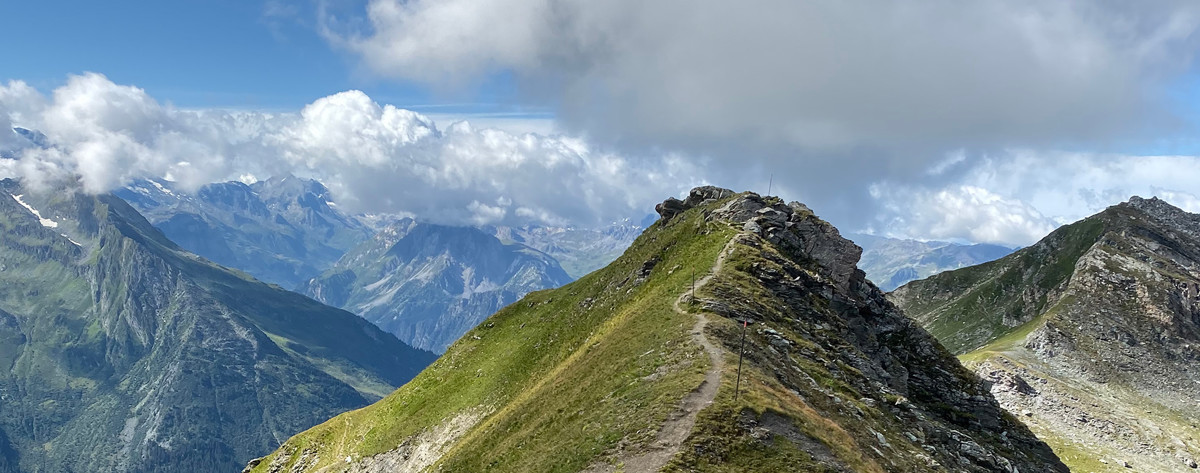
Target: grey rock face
832 338
796 229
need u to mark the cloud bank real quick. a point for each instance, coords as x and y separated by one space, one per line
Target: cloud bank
379 158
375 158
843 102
816 75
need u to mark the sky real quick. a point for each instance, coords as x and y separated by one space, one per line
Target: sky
991 121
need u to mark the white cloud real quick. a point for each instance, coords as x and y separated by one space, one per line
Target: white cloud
375 158
818 76
828 97
378 158
961 213
1015 197
102 132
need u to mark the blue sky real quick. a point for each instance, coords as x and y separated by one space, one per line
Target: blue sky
212 53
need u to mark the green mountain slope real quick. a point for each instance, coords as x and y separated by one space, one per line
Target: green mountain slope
970 307
122 352
428 284
624 370
1092 334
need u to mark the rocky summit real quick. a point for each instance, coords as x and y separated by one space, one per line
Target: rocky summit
636 367
124 353
1091 336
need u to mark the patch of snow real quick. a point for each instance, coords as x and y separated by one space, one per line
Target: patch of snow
45 221
70 240
160 187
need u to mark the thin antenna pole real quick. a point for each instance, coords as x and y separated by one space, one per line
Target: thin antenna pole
770 183
741 351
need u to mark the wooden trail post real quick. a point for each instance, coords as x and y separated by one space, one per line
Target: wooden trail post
741 352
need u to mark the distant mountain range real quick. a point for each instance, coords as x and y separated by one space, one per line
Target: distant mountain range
1091 335
891 262
123 352
426 283
283 230
578 250
429 284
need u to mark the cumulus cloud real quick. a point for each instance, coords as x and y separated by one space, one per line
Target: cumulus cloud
961 213
829 97
102 132
379 158
375 158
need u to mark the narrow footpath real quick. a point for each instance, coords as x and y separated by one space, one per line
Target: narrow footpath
679 424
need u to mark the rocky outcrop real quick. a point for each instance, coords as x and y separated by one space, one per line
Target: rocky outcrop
818 318
699 196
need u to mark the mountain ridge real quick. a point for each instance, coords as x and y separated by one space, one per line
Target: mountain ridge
126 353
892 262
1096 336
587 374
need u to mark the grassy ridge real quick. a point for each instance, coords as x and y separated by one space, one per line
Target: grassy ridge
566 374
588 373
970 307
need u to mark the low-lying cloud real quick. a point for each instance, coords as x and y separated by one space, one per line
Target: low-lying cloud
1015 197
375 158
379 158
